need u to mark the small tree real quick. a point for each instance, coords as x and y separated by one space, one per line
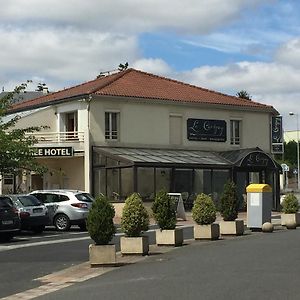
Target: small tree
204 210
290 204
16 150
135 218
164 211
243 94
100 223
229 202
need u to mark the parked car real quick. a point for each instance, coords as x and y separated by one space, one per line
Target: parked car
66 207
9 219
33 213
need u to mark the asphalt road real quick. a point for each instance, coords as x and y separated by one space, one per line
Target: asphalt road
254 266
28 256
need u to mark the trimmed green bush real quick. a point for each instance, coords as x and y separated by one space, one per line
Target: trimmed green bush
290 204
229 202
100 224
204 210
135 218
164 211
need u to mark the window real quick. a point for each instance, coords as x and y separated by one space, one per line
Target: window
8 179
111 125
235 126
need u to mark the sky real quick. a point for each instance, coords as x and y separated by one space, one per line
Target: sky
227 46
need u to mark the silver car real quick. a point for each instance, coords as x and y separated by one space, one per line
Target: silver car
33 214
66 207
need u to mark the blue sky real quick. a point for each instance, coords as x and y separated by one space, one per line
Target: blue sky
221 45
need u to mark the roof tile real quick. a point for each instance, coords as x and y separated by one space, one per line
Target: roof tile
137 84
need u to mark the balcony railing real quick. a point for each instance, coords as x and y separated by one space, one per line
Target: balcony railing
58 137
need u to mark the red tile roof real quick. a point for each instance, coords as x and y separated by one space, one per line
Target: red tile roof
137 84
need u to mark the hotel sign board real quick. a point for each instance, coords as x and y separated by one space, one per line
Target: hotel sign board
53 151
277 135
206 130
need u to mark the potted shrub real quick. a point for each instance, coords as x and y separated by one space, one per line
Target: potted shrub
101 229
134 221
204 214
229 211
290 206
164 212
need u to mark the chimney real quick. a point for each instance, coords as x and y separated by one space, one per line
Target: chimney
45 90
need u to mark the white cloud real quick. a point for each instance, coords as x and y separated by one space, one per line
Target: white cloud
289 53
152 65
193 16
273 83
62 55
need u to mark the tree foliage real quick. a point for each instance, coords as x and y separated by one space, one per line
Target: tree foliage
135 218
16 150
100 224
204 210
229 202
290 204
164 211
243 94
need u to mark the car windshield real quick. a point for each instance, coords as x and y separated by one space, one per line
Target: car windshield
85 197
5 202
29 200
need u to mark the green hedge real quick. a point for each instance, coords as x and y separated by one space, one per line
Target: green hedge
164 211
290 204
204 210
229 202
135 218
100 223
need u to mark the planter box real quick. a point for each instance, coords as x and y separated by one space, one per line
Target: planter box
102 255
134 245
206 232
291 218
232 227
169 237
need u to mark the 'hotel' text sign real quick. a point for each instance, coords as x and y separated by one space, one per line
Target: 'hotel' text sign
206 130
53 151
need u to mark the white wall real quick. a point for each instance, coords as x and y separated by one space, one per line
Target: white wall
143 124
44 117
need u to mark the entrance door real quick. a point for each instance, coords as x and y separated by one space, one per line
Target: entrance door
36 182
71 125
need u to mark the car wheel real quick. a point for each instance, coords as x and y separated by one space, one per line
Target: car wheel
6 237
38 229
62 222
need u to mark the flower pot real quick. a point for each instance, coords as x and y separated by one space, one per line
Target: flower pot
290 218
169 237
101 255
134 245
232 227
206 232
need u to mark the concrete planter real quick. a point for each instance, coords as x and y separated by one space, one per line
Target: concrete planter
290 218
169 237
101 255
206 232
134 245
232 227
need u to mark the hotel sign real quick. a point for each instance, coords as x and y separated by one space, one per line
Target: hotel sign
206 130
276 135
53 151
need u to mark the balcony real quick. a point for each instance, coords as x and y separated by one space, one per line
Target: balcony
67 138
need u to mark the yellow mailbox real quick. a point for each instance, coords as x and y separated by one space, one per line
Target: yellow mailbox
259 205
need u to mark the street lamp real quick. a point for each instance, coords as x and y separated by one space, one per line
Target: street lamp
298 175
